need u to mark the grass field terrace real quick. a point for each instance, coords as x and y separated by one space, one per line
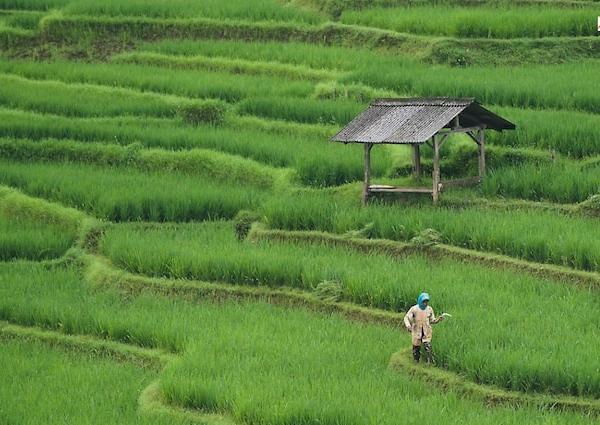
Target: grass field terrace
181 243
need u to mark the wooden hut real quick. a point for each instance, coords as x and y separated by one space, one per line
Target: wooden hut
418 121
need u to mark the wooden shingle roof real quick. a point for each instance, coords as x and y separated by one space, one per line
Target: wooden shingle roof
415 120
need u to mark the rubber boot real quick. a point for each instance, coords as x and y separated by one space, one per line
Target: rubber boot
416 352
428 352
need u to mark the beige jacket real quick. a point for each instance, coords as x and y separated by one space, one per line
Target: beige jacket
420 321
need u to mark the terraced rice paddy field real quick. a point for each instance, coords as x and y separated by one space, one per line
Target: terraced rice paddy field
181 242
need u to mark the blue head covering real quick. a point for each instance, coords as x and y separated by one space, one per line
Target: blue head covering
424 296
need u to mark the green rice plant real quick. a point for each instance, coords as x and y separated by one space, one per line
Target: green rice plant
16 205
192 161
160 80
313 369
67 150
84 30
236 359
316 160
578 135
544 237
45 384
309 210
218 167
149 132
564 183
260 10
329 58
211 112
479 22
40 5
241 66
83 100
210 251
527 359
25 20
183 255
568 86
128 195
21 239
301 110
56 298
34 229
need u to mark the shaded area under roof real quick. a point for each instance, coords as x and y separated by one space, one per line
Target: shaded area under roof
415 120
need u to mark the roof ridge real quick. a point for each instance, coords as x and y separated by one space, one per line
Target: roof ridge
435 101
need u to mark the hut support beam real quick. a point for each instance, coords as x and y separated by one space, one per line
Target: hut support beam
478 136
481 145
367 182
436 169
416 161
437 142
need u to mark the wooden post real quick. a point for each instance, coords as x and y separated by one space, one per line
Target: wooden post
436 170
481 148
416 161
367 182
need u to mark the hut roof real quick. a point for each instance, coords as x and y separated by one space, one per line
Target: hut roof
414 121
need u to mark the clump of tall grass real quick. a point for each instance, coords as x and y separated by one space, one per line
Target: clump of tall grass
17 205
243 223
590 206
15 38
329 291
207 112
34 229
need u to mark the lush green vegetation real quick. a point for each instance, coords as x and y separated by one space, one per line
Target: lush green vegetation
211 253
502 21
176 226
99 389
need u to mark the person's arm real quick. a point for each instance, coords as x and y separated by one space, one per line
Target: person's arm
434 319
407 320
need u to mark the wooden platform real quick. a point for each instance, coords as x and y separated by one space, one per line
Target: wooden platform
395 189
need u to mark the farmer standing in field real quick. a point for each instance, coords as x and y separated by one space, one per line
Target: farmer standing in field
418 321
